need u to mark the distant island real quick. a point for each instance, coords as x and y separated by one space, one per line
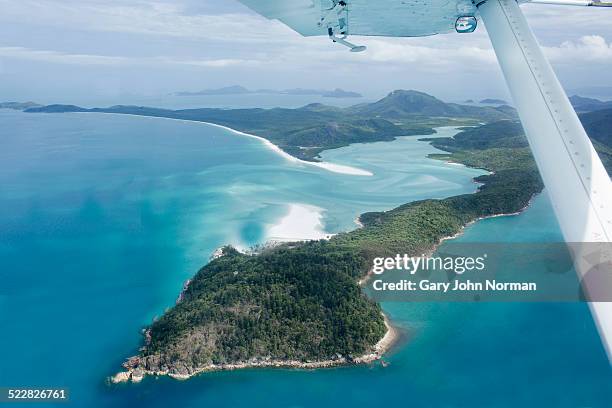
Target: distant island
240 90
300 304
19 105
491 101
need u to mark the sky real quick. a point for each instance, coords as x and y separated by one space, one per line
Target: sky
110 51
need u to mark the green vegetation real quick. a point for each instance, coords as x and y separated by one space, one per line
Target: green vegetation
301 301
290 303
416 227
597 125
589 104
401 104
306 131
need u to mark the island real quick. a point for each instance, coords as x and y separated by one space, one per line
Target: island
19 105
302 304
305 132
240 90
493 101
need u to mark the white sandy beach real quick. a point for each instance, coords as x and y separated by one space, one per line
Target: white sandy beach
302 222
334 168
451 163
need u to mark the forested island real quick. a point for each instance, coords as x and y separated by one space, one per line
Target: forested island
300 304
305 132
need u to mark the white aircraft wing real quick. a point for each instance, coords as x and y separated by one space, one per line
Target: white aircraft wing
411 18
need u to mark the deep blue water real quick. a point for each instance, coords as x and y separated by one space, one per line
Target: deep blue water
103 217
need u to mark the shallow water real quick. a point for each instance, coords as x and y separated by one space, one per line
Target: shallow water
105 216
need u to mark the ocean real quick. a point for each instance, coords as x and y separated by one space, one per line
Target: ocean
104 217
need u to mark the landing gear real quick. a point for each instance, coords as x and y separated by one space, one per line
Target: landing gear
335 19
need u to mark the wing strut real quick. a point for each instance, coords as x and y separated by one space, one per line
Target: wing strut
575 179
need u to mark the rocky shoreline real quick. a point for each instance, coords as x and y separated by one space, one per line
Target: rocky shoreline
136 374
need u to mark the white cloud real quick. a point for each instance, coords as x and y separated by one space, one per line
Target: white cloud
558 22
147 18
420 55
57 57
179 40
464 56
589 48
210 63
278 44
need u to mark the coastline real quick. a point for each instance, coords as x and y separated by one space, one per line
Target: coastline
361 282
296 225
334 168
462 230
136 375
390 338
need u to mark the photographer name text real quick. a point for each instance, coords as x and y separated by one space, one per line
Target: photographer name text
456 285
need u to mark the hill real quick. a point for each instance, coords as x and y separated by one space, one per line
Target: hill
305 132
504 133
405 104
341 93
588 104
598 126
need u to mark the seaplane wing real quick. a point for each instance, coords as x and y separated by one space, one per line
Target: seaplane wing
575 178
301 15
389 18
411 18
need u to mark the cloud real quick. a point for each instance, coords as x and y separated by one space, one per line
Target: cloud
589 48
381 51
558 22
216 43
210 63
59 57
146 18
227 35
51 56
422 55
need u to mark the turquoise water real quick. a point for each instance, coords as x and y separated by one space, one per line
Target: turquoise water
104 217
